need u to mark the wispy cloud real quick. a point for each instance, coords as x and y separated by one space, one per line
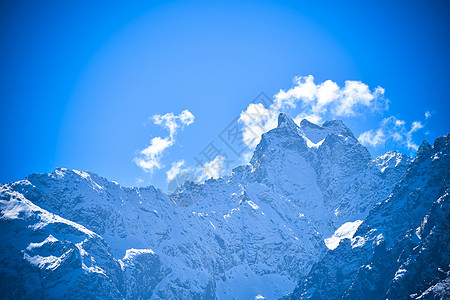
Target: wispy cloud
372 138
213 168
175 170
317 102
149 159
179 172
393 130
173 122
256 120
416 125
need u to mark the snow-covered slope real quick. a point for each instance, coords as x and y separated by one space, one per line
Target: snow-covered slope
325 170
252 233
44 256
402 249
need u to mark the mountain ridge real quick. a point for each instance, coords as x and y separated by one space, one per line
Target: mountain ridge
401 249
262 226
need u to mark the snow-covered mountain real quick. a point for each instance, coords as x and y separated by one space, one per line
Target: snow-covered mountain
402 249
252 233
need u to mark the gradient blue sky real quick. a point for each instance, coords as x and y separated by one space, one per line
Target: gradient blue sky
80 79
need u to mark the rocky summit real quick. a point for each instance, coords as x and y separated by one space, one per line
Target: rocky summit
312 216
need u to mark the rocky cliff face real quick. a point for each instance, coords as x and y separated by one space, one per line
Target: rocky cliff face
254 232
401 250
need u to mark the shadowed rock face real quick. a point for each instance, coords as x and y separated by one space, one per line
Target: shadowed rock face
256 231
401 250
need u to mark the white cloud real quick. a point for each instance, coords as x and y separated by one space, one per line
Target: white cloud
175 170
305 90
399 123
173 122
149 159
246 157
213 168
392 129
427 114
416 125
328 98
316 101
372 138
409 140
356 95
256 119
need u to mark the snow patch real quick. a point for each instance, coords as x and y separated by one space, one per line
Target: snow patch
346 231
358 241
252 204
82 174
399 274
49 239
311 144
130 253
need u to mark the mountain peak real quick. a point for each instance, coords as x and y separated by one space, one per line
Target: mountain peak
285 120
335 124
306 123
338 127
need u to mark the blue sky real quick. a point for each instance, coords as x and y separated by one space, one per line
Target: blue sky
81 80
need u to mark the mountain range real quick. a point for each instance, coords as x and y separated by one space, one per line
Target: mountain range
312 216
